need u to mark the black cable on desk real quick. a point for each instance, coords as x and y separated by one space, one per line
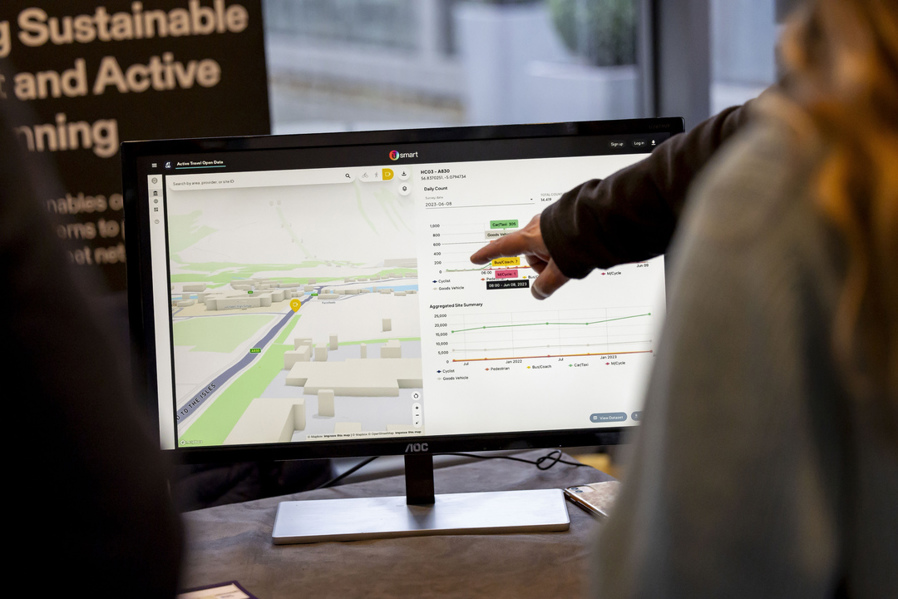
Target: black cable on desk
543 463
340 477
553 457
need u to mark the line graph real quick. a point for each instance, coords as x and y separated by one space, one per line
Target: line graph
549 334
453 243
559 324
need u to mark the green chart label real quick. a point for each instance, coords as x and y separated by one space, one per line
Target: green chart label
504 224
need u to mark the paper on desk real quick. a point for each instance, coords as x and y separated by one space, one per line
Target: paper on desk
222 590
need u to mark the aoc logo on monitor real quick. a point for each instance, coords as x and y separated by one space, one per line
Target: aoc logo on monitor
396 155
416 448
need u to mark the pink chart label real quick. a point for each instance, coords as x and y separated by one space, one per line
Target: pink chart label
506 274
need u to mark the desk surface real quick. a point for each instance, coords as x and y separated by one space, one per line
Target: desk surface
233 542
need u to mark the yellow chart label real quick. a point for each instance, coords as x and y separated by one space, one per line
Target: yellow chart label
516 261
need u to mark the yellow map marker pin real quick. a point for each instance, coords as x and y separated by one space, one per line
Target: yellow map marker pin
295 304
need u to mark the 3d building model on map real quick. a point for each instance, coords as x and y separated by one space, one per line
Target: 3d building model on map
320 366
270 419
358 377
253 293
326 402
302 354
275 419
391 349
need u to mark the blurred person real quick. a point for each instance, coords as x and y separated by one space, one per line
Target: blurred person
87 481
767 462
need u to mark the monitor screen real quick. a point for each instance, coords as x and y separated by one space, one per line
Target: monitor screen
303 296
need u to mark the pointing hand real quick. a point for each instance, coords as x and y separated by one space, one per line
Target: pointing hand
528 242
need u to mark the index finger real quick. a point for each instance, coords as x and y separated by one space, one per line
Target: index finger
513 244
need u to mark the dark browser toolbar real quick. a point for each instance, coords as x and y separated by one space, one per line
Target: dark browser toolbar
262 159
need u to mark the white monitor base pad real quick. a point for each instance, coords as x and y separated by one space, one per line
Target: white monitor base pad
356 519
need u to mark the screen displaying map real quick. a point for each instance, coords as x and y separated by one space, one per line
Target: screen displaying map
339 303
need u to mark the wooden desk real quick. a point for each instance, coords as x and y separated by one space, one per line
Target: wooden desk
233 542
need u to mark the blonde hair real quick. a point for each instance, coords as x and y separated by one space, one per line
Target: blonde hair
841 58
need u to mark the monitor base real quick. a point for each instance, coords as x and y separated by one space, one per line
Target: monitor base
357 519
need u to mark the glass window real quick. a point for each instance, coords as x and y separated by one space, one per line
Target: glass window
377 64
743 41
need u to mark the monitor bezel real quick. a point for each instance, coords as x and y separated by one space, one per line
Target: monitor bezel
139 290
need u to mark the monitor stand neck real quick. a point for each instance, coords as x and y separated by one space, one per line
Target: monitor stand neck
420 512
419 479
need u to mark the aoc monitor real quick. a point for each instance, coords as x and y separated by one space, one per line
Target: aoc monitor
312 295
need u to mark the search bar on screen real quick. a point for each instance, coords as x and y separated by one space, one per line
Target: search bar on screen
317 176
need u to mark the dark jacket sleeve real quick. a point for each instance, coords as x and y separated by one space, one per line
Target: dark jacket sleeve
631 215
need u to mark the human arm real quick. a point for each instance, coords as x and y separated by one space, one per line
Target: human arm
631 215
626 217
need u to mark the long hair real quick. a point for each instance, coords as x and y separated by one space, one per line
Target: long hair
841 61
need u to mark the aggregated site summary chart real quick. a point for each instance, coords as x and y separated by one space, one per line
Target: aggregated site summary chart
549 334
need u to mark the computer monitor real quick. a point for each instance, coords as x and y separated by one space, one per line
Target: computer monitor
311 296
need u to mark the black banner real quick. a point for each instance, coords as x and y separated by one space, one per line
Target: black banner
94 74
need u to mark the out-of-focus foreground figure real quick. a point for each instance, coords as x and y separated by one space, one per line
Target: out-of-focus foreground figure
767 464
87 484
